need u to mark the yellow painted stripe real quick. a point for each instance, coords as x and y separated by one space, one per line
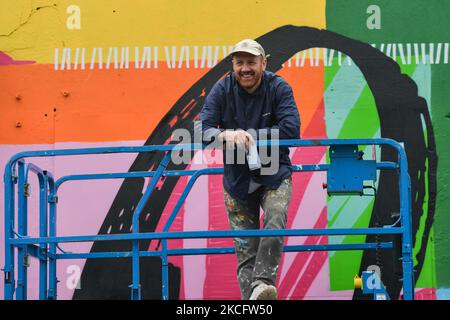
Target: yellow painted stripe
33 34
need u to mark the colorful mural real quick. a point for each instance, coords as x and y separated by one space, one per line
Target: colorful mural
86 74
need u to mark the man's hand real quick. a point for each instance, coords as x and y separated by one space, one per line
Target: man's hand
239 138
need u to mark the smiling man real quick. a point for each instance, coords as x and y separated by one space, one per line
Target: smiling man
249 69
248 104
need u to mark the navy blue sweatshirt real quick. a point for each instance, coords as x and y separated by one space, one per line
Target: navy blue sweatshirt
271 106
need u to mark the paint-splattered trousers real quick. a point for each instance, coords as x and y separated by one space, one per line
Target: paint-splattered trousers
259 258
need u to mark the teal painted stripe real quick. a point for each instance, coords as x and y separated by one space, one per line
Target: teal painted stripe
340 97
345 210
422 77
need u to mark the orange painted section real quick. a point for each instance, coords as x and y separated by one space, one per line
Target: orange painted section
110 105
308 84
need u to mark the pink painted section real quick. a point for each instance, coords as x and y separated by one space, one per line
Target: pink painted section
307 210
320 287
312 267
301 263
308 200
195 218
82 205
7 60
423 294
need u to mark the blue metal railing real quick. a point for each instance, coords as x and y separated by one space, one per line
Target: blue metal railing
44 246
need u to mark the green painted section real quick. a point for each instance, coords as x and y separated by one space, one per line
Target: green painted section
402 21
362 121
441 125
345 264
427 277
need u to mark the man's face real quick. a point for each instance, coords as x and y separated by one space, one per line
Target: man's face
248 70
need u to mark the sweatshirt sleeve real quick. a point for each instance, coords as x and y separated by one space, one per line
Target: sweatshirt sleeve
209 124
287 117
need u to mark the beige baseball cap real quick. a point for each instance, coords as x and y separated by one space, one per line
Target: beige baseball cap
250 46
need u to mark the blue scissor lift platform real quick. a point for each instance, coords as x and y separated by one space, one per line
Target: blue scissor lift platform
347 173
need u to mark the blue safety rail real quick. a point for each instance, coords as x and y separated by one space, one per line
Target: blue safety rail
346 174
